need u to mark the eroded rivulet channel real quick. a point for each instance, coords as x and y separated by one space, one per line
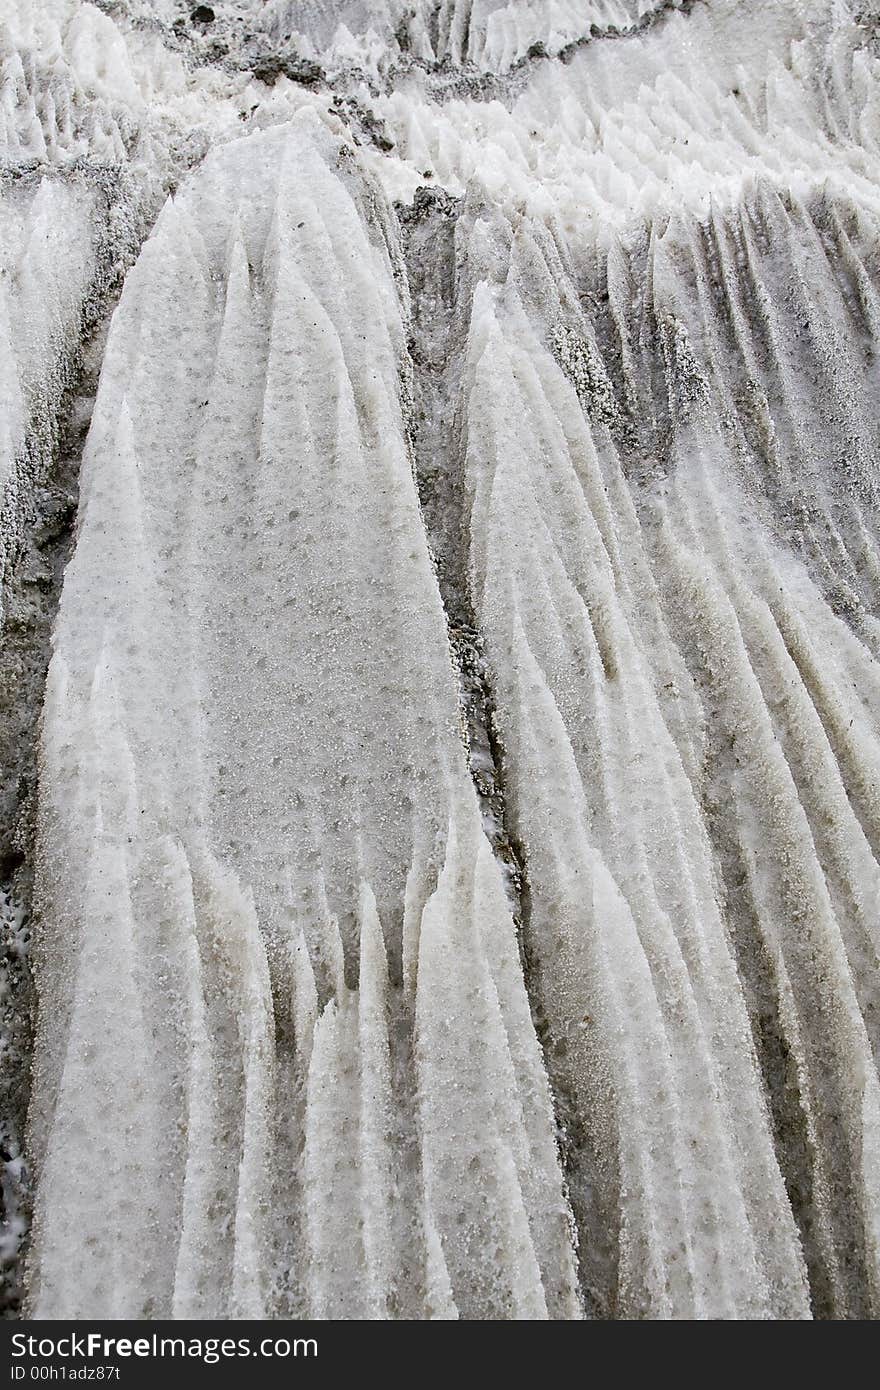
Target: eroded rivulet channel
440 857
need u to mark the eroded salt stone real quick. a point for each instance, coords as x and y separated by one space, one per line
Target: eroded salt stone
456 847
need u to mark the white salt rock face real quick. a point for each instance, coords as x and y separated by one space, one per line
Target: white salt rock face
286 1061
620 758
86 92
369 35
251 751
497 34
47 251
321 19
490 35
47 264
74 103
622 887
66 85
672 120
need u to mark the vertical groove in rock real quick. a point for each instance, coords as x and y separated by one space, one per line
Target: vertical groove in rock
438 329
435 347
